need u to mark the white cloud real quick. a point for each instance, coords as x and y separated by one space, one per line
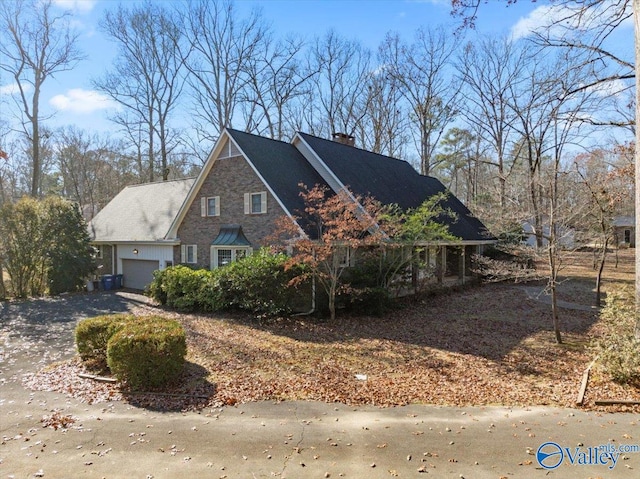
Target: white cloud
12 89
78 100
564 18
611 88
81 6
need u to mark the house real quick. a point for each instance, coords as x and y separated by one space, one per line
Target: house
624 230
247 183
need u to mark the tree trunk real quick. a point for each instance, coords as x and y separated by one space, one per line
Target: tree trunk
3 290
636 16
603 257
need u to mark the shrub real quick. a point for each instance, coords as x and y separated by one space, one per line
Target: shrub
148 352
618 347
370 300
92 336
180 287
257 283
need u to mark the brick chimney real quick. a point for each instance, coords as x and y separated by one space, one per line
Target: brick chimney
344 139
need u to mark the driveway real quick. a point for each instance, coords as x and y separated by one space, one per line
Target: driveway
286 440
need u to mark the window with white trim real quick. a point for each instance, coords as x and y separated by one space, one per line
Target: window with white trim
224 255
189 253
210 206
255 203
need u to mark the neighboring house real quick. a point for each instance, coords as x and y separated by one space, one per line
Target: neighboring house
247 183
566 236
625 231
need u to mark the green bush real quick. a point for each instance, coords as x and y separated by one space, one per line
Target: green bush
257 283
370 300
148 352
181 287
92 336
618 347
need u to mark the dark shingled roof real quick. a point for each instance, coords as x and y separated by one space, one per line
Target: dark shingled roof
390 181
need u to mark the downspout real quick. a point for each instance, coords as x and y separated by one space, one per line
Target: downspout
313 299
113 259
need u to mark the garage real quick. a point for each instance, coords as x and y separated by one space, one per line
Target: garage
138 273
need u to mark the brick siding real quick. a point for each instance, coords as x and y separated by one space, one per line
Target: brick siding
230 179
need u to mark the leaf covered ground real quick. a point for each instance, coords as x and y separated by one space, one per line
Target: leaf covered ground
486 345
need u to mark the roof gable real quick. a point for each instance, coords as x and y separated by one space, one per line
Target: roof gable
281 166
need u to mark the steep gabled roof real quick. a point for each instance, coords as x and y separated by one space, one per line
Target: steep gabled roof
141 212
281 165
392 181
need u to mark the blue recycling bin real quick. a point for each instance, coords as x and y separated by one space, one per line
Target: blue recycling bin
118 281
108 282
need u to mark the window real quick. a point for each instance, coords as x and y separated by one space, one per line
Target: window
627 236
255 203
99 251
210 206
344 256
189 253
222 256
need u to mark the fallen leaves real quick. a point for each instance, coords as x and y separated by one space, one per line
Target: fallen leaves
57 421
489 345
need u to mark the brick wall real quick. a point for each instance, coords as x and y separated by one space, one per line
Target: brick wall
230 179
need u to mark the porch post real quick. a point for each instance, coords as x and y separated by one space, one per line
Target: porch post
443 264
462 264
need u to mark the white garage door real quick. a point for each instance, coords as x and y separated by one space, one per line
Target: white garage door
138 273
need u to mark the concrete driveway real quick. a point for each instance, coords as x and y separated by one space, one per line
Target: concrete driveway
286 440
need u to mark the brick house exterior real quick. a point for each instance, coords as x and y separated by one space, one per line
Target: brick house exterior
231 207
229 180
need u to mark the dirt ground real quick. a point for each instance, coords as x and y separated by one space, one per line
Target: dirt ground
487 345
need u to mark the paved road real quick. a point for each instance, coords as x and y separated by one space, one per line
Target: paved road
265 440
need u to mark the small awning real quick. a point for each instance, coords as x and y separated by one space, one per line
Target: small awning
231 235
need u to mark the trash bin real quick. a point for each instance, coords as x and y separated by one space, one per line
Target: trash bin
118 281
107 282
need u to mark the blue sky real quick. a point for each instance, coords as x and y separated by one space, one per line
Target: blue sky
71 98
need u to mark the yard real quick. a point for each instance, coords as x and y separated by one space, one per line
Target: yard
491 344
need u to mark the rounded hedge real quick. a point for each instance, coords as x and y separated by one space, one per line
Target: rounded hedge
148 352
92 336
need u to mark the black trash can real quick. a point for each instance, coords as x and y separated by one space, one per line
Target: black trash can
118 281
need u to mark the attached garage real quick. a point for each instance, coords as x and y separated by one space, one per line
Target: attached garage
138 273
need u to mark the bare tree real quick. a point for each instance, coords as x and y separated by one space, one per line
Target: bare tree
146 76
384 128
36 43
277 77
340 88
602 19
423 70
488 69
221 50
